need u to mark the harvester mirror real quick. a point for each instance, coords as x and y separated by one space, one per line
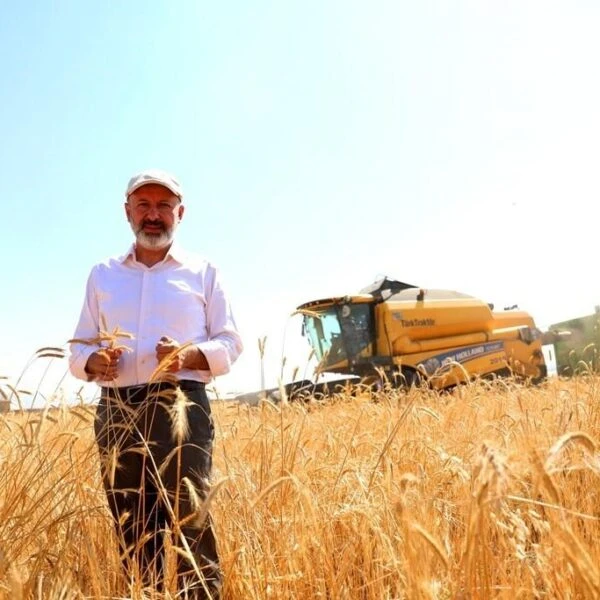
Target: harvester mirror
345 311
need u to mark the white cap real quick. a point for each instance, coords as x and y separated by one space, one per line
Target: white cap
154 176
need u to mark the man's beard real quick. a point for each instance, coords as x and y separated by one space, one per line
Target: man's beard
153 241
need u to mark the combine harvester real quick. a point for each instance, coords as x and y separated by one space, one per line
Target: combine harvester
402 335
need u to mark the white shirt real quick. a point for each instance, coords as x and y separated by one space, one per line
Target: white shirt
180 297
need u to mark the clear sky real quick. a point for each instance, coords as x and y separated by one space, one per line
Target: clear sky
320 145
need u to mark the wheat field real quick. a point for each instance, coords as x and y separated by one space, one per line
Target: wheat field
490 491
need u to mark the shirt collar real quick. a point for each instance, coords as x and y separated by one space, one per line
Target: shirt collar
176 252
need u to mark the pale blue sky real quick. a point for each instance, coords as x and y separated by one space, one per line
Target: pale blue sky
320 144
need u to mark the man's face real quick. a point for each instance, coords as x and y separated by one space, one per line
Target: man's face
153 212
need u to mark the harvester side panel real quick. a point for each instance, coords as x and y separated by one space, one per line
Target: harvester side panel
429 319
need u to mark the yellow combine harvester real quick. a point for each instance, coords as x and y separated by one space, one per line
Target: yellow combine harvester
411 334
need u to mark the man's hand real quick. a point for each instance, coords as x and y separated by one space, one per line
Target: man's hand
104 364
184 357
167 346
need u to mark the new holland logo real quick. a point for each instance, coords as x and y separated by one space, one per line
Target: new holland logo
462 356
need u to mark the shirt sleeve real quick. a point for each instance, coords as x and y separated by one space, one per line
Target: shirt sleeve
87 328
224 343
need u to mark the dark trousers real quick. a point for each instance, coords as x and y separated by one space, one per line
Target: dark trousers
156 456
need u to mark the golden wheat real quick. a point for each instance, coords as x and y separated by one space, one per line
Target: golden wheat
492 491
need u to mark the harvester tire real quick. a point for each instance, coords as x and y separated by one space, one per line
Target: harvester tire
408 378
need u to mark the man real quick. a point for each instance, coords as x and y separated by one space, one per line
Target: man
153 425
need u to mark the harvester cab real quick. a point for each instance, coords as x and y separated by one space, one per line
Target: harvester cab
405 334
340 331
